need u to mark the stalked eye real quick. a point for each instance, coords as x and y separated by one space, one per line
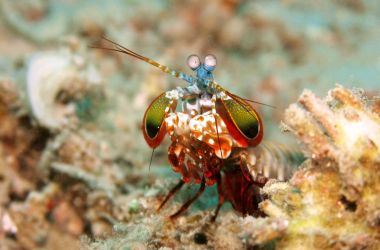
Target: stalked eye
193 62
210 61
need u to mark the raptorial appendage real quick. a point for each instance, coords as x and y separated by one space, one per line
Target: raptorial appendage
196 146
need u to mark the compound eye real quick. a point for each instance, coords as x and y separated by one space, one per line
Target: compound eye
193 61
210 61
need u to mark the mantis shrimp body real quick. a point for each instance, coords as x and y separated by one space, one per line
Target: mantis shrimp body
238 171
215 136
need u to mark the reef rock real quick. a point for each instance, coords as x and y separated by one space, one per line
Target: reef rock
333 201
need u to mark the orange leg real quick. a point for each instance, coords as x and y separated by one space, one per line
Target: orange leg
171 193
189 202
221 197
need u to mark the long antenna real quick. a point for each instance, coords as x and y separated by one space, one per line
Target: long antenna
220 88
151 158
124 50
270 106
248 100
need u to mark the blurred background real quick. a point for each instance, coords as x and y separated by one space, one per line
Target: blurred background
69 112
267 51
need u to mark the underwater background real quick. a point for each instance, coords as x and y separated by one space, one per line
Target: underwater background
74 167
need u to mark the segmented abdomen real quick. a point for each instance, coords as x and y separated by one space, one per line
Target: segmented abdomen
249 169
271 161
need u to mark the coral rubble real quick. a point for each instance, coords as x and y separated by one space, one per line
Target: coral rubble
333 201
56 81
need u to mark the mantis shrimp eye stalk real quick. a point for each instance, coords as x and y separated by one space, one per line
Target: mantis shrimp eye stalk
210 62
193 62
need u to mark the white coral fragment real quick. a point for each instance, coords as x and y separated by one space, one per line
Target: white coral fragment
54 81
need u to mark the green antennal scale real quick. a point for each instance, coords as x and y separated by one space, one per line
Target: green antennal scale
154 128
241 120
